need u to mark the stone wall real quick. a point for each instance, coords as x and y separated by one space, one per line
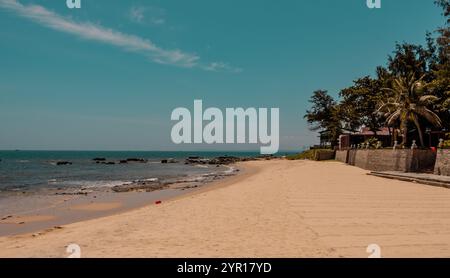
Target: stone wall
351 157
342 156
404 160
362 159
324 155
442 166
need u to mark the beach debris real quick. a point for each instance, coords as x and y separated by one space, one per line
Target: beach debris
7 217
80 192
158 202
189 187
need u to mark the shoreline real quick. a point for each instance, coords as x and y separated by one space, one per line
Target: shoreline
63 210
277 209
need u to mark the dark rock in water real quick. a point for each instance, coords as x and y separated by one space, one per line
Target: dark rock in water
62 163
123 162
99 159
221 160
194 157
196 160
105 162
224 160
140 160
146 186
170 160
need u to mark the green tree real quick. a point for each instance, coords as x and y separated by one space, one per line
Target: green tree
359 104
324 115
440 84
409 104
411 59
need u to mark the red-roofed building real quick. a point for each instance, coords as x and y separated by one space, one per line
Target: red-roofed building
384 135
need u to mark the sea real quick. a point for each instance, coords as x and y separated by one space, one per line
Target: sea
37 171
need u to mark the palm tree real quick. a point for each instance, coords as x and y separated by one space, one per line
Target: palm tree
408 103
446 103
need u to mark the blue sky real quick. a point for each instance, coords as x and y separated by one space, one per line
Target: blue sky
107 76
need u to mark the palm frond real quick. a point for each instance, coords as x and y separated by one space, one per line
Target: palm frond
429 115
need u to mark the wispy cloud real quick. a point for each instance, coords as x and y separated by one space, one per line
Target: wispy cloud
152 15
98 33
137 14
220 66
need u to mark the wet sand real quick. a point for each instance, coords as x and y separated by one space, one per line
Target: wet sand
34 213
278 209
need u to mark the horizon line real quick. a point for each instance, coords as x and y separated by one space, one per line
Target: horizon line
47 150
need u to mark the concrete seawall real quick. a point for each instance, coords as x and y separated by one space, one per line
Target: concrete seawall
403 160
442 166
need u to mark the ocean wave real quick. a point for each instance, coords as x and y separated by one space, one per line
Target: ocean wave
93 184
230 170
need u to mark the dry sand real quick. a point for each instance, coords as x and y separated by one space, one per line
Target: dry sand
278 209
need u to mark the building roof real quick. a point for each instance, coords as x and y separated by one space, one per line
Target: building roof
365 131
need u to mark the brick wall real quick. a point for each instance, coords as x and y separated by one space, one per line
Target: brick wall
442 166
404 160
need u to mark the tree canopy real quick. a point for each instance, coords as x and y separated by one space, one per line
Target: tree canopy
413 90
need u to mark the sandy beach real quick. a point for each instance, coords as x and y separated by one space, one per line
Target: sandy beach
275 208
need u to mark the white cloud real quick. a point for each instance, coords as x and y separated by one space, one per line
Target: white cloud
95 32
137 14
157 21
220 66
152 15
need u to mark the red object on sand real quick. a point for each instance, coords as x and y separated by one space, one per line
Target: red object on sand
158 202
